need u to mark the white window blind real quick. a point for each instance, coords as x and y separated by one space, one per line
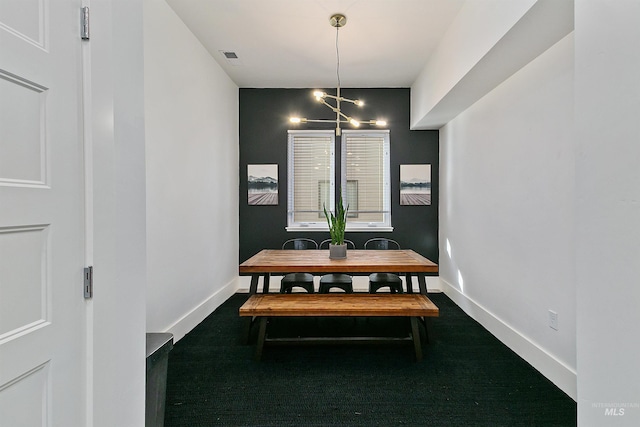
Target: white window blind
311 178
365 181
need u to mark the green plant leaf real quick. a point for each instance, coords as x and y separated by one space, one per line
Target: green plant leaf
337 222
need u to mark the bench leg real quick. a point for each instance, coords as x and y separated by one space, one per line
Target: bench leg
247 329
262 332
415 334
428 329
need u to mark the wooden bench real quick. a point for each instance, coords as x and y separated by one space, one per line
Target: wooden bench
264 306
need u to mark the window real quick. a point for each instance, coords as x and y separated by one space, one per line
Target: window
364 179
310 179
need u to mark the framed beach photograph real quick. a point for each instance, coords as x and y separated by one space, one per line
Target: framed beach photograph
415 185
262 184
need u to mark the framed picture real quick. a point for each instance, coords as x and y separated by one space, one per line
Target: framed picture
415 185
262 184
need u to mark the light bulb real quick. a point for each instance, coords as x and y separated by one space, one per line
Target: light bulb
354 122
381 123
295 119
359 102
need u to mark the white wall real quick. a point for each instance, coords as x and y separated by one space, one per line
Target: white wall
607 69
487 42
116 353
506 212
473 33
191 111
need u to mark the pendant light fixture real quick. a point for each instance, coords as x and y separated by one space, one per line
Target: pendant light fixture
337 21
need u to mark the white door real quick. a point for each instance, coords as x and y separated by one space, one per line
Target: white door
42 308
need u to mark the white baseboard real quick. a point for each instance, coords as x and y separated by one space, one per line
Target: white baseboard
194 317
557 372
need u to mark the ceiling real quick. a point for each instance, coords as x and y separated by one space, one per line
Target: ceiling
290 43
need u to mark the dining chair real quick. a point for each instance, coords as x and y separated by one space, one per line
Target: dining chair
381 280
301 280
336 280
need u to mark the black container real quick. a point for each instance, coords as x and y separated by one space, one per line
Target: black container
158 347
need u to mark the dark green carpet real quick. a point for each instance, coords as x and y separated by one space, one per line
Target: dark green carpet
467 378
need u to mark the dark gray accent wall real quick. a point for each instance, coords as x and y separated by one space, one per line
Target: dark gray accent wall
264 121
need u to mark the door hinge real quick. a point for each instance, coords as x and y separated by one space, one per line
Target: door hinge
84 23
88 282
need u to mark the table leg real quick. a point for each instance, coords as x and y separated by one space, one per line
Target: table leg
262 332
265 283
422 283
253 289
409 280
415 333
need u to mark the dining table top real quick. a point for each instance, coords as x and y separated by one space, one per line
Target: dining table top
318 261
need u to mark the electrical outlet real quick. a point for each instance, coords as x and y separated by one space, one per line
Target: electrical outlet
553 320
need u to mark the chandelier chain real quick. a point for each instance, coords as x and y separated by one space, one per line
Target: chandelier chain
337 21
337 57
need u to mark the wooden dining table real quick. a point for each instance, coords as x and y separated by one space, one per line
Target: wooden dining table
358 262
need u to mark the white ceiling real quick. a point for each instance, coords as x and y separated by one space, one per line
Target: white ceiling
290 43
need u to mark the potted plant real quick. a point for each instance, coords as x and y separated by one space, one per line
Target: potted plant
337 224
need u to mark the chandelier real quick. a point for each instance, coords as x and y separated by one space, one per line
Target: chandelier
337 21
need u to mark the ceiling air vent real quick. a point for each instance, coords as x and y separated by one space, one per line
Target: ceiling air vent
231 57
